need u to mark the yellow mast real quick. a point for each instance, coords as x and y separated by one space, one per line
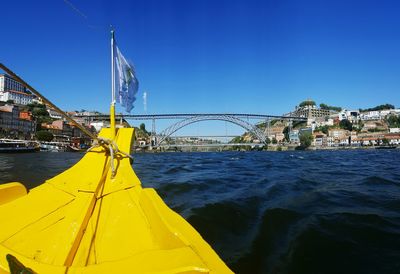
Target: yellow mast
112 107
112 120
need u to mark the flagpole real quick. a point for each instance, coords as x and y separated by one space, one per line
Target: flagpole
112 107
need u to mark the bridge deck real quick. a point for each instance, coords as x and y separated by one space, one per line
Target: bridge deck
212 145
188 115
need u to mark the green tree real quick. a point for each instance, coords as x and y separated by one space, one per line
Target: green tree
385 141
393 121
360 126
307 103
268 140
299 124
323 129
380 107
39 112
143 127
274 141
286 133
43 135
306 139
236 140
346 124
325 106
273 122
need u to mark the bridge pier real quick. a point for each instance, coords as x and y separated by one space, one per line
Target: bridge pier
268 128
153 127
153 136
153 142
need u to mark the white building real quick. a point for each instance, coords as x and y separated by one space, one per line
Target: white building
103 124
370 115
13 90
395 111
351 115
343 141
37 100
8 83
17 97
54 114
330 141
378 114
328 122
99 125
385 113
342 115
87 113
294 136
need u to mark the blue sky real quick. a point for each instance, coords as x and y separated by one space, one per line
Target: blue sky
209 55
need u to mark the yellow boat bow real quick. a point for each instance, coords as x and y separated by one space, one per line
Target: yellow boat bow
85 220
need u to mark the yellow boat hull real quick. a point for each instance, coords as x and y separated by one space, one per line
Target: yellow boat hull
85 220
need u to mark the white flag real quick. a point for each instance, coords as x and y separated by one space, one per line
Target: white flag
126 83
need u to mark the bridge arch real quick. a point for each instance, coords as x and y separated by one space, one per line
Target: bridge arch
194 119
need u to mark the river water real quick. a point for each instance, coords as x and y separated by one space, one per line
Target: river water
270 212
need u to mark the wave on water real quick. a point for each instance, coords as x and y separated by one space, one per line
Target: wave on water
177 169
290 242
180 188
378 180
272 212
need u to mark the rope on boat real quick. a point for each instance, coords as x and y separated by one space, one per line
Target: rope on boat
112 147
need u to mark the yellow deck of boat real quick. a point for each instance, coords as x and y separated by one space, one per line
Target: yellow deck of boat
85 221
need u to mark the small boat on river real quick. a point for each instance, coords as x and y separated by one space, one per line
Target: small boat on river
89 220
97 218
54 146
17 146
386 147
58 147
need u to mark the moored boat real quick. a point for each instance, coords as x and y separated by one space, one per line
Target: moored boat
17 146
74 149
386 147
54 146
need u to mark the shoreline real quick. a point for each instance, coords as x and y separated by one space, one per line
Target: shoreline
270 148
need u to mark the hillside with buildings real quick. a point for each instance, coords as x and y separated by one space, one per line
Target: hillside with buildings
24 116
332 126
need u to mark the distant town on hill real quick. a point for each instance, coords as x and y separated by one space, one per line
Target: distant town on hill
333 127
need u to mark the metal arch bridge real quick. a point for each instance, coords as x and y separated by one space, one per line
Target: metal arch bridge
190 118
194 119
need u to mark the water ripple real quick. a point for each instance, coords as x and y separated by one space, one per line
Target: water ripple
271 212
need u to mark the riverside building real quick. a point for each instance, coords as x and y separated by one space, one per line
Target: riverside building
16 123
311 111
11 90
